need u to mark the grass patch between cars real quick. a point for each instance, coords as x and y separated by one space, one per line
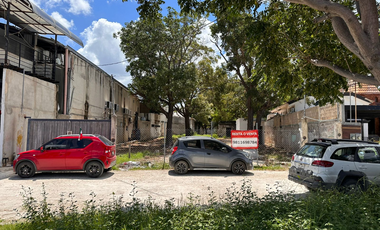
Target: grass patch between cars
271 167
140 161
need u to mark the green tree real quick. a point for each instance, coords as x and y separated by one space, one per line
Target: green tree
216 88
354 23
244 47
160 52
208 96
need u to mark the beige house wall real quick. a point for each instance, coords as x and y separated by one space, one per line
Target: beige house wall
89 84
23 97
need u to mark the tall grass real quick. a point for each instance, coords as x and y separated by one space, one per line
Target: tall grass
240 208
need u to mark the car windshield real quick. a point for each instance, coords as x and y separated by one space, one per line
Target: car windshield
313 151
105 140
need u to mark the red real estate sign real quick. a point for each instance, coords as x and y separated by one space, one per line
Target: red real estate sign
248 139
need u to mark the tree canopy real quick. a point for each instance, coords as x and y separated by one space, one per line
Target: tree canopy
354 23
161 53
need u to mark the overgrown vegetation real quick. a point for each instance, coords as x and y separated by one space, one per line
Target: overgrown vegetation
143 158
239 208
272 167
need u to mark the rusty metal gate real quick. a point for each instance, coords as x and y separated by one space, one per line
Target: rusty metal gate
42 130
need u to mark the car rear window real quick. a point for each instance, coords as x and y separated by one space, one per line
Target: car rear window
192 144
105 140
313 151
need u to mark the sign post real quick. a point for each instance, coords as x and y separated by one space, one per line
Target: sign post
245 139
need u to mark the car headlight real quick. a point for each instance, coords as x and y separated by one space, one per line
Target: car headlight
17 155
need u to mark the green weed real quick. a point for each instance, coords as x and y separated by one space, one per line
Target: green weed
239 208
272 167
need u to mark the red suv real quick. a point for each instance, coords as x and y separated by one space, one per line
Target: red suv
92 153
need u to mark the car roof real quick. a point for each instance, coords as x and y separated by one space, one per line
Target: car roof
77 135
340 142
196 138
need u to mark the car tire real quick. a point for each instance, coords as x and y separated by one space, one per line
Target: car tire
94 169
181 167
352 186
238 167
25 169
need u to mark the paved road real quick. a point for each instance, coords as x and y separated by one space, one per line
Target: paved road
160 185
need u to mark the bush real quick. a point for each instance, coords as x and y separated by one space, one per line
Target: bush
240 208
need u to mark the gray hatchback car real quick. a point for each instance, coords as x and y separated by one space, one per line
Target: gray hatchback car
193 152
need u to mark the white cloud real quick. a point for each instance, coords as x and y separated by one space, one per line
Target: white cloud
53 3
57 16
36 2
73 6
80 7
102 48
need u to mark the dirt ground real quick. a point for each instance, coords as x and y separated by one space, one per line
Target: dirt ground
160 185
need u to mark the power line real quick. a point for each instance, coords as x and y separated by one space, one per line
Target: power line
113 63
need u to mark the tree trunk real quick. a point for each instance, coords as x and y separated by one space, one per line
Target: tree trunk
250 113
187 124
169 131
259 115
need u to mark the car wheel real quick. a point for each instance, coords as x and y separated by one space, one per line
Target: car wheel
352 186
181 167
94 169
25 169
238 168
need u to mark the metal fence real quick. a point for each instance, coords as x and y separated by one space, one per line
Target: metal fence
284 143
43 130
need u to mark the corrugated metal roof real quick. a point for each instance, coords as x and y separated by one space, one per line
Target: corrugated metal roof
25 14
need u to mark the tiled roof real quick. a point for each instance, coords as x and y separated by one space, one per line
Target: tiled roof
362 88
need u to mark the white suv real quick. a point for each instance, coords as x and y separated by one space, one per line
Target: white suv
329 163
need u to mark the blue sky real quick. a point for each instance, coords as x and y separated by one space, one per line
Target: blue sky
95 21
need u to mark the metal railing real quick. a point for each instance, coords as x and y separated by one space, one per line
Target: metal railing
23 57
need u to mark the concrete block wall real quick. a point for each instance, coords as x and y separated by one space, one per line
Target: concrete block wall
329 112
283 130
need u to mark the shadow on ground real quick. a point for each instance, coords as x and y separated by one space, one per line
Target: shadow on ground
211 173
62 175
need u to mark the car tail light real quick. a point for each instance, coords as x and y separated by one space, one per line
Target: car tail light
326 164
293 158
174 149
109 152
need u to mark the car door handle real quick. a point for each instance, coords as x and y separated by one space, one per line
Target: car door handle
208 153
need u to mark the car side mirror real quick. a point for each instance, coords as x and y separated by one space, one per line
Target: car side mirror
42 148
224 149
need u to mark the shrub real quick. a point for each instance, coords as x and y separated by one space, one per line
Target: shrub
240 208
